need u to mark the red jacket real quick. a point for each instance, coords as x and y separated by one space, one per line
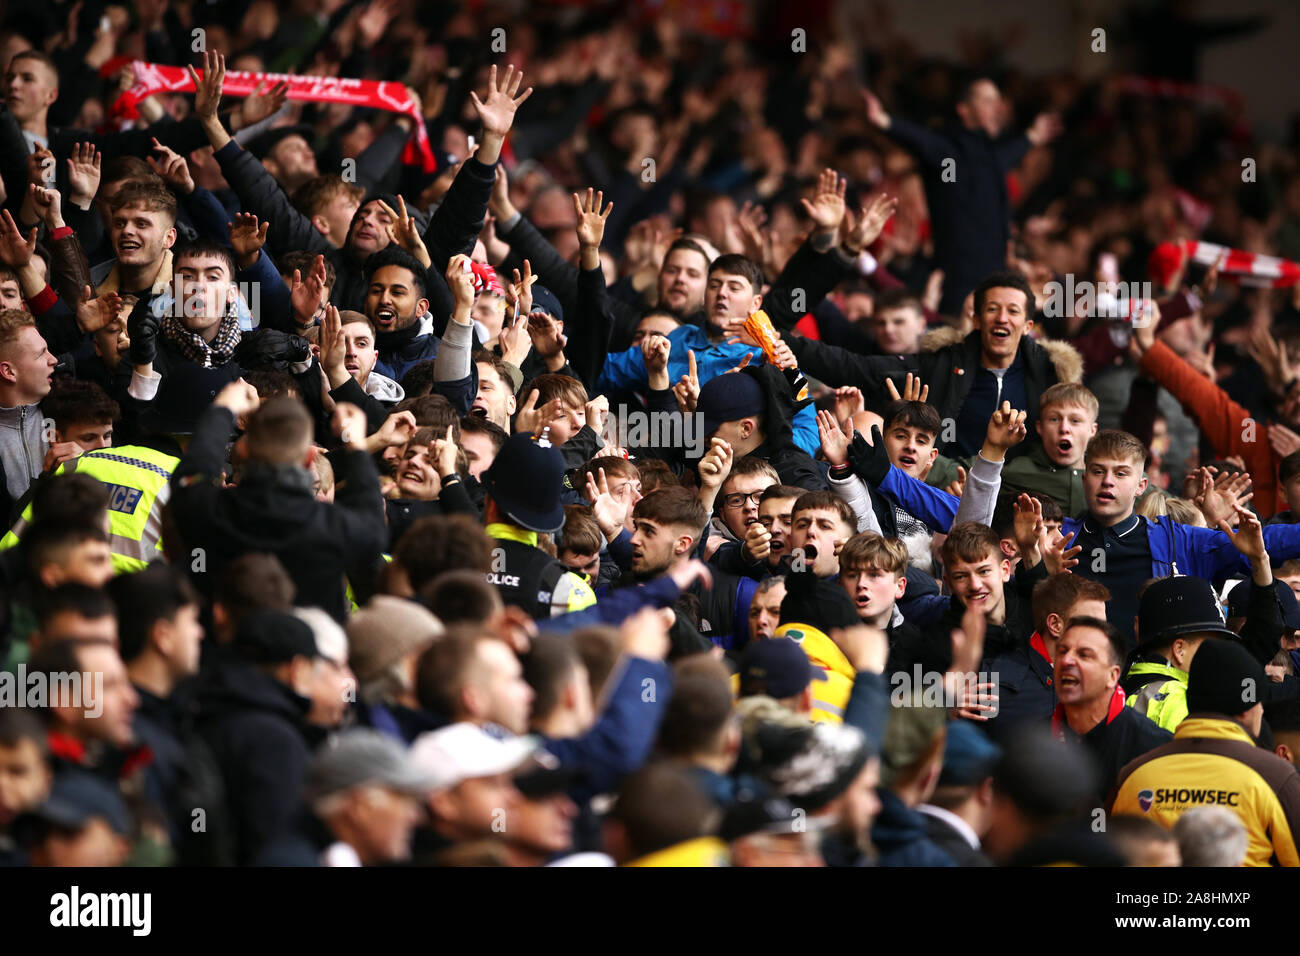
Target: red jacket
1226 424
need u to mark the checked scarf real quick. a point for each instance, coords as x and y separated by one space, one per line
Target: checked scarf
192 346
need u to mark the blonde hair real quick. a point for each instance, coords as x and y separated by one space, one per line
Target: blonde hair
1068 393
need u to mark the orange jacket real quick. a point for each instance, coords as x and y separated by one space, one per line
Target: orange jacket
1227 425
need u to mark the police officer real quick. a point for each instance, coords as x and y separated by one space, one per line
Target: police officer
523 489
1174 616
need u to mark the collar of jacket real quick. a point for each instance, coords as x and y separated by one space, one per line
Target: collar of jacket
65 747
1040 458
1116 708
383 388
14 417
703 851
821 650
512 532
293 477
1213 726
390 342
1161 668
161 282
1038 644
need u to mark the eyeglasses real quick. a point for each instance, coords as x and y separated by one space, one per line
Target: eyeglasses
737 499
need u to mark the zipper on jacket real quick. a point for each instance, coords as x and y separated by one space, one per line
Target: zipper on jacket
22 435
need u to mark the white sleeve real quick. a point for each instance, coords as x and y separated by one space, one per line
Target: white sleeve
144 388
980 496
854 492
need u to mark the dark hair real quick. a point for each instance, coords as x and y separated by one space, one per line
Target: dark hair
395 255
90 603
655 474
478 425
734 264
1118 646
549 666
143 599
920 415
432 411
696 714
256 581
498 364
780 491
1288 469
17 725
273 384
315 194
443 667
46 539
419 378
1060 592
660 806
1009 279
151 194
673 506
75 401
71 497
302 261
439 543
279 432
600 648
1283 715
581 533
900 298
691 246
461 596
971 542
826 501
202 246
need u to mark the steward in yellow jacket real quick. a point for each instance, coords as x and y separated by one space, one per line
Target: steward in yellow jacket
1213 760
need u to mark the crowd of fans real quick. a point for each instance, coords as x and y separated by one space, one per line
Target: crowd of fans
700 465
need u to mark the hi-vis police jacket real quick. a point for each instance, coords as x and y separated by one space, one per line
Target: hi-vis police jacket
1163 696
138 482
1213 761
528 577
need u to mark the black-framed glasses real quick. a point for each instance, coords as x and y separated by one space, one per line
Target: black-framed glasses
737 499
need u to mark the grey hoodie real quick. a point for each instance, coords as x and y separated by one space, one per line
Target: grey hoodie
384 388
22 447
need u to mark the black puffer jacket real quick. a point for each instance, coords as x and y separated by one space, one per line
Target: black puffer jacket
255 727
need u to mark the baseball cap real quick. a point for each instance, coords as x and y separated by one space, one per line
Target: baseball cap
75 799
386 630
542 775
811 764
777 667
273 637
464 751
728 397
544 300
361 756
1239 603
526 480
1176 607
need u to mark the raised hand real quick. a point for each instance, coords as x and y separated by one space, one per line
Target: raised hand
827 207
715 466
530 418
610 513
1283 440
835 444
1219 496
305 294
404 231
46 203
95 313
1006 430
913 390
687 390
875 111
597 410
397 430
333 348
1058 555
443 451
1249 536
83 174
519 291
497 111
15 251
758 542
591 221
207 89
861 230
461 282
655 350
1047 126
260 103
247 238
1027 525
172 168
549 340
515 341
958 484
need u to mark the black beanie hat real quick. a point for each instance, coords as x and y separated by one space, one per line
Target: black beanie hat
1224 679
818 603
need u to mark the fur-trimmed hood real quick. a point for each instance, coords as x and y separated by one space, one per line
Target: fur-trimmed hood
1065 358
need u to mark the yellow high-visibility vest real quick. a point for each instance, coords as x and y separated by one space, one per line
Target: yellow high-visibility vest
138 480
